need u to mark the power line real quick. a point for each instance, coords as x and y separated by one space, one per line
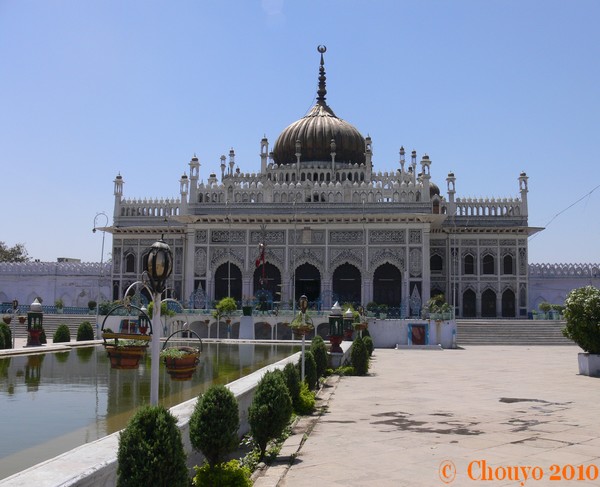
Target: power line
565 209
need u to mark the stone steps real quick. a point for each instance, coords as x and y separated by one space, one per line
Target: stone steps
510 332
51 322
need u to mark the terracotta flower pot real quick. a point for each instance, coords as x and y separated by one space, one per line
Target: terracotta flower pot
182 368
125 357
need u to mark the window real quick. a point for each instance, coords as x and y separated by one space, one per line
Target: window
507 265
488 264
130 263
469 264
436 263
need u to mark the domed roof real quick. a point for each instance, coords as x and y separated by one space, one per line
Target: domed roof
320 133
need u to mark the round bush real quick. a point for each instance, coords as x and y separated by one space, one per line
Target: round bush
150 451
582 313
270 411
62 334
310 370
319 351
292 381
230 474
359 357
6 336
85 331
214 424
369 344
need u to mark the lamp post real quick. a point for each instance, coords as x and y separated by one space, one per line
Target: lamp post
15 307
101 263
303 301
159 265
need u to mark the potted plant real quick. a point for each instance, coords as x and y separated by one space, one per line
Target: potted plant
383 310
545 308
125 354
92 306
582 313
7 319
181 361
247 306
59 305
301 325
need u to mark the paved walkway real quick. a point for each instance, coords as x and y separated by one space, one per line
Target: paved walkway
422 417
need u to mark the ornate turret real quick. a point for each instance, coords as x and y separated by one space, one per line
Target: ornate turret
316 131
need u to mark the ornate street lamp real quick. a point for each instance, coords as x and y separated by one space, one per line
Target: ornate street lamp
336 328
159 266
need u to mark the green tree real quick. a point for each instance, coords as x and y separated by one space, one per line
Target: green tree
151 451
270 411
214 424
359 357
319 351
16 253
582 313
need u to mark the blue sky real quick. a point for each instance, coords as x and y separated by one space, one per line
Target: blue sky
90 89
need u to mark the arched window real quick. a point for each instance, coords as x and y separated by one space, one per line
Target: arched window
436 263
469 264
130 263
507 265
488 264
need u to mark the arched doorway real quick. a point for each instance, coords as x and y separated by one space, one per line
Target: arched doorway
346 284
387 285
267 278
228 281
469 307
488 304
508 304
307 282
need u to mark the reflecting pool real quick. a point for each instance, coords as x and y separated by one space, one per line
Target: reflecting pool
51 403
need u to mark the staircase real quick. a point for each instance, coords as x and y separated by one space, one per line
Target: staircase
51 322
510 332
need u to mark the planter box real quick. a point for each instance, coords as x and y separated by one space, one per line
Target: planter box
589 364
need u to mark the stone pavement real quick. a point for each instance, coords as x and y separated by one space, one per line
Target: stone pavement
421 418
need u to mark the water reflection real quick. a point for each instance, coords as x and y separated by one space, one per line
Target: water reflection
54 402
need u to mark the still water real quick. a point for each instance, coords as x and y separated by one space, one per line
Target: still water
51 403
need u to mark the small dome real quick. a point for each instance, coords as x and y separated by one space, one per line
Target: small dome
433 190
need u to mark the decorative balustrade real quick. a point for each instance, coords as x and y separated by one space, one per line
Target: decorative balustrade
584 271
55 268
150 208
493 207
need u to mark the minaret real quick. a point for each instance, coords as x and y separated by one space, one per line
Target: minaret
413 165
402 160
223 167
184 185
368 158
425 177
264 154
231 161
298 154
523 188
451 181
118 192
194 176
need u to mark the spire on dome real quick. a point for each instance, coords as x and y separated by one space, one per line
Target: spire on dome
321 92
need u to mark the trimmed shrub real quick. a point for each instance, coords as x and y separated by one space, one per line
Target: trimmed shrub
270 411
319 351
6 336
369 344
292 381
62 334
85 331
230 474
582 313
151 452
214 424
43 338
359 357
306 400
310 370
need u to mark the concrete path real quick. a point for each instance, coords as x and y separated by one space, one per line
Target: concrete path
454 417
